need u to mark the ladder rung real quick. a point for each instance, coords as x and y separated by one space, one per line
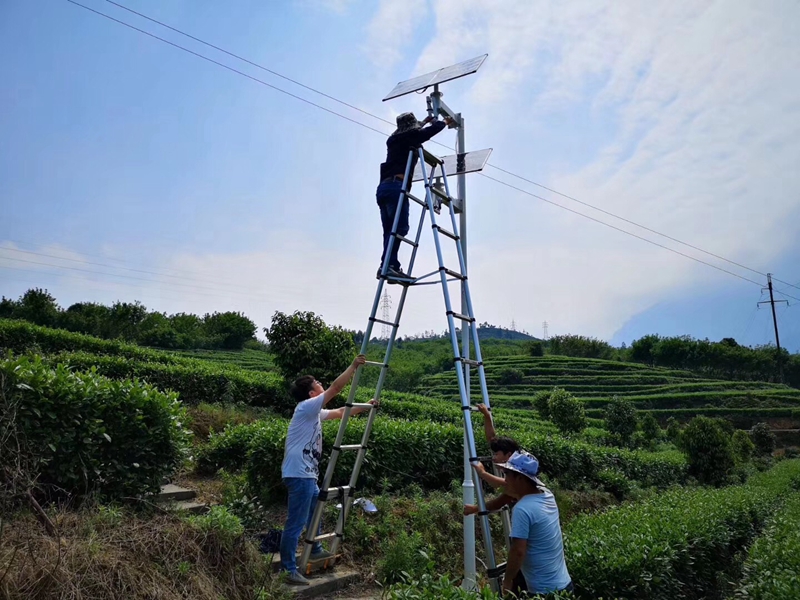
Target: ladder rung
350 446
440 193
460 316
361 405
373 363
453 273
497 571
430 158
469 361
406 240
323 537
382 322
335 492
444 232
415 199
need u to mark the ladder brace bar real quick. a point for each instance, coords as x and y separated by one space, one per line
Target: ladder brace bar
462 317
406 240
335 492
410 196
449 234
453 273
382 322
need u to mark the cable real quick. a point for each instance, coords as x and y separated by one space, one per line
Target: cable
785 294
384 134
224 66
502 170
678 252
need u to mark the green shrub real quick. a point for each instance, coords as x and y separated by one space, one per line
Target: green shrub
89 433
674 545
431 587
763 438
673 430
614 482
773 562
304 344
620 417
541 402
709 451
510 376
535 348
567 412
650 428
220 521
743 446
404 554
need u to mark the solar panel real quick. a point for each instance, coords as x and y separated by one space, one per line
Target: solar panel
455 164
440 76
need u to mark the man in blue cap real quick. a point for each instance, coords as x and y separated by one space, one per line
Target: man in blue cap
537 547
409 135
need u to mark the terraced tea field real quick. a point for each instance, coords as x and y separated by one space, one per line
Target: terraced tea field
513 381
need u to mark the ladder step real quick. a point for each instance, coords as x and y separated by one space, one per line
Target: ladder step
335 492
431 159
497 571
415 199
350 447
362 405
462 317
382 322
444 232
469 361
323 537
443 195
373 363
453 273
406 240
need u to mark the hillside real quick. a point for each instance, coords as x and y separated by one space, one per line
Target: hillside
513 380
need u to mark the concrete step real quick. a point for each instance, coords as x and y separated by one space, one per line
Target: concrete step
171 492
314 566
194 508
325 583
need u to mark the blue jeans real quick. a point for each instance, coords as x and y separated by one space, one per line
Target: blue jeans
303 494
388 194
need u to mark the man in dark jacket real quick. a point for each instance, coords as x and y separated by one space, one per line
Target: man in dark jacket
410 135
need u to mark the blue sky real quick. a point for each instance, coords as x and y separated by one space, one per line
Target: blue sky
156 175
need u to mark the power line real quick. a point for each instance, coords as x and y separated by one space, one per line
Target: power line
678 252
676 240
502 170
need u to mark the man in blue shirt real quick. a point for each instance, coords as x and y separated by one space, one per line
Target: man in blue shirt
537 547
409 135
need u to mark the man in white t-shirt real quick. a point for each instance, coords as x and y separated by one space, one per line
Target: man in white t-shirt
300 468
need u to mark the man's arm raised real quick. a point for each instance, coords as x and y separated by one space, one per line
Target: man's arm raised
342 380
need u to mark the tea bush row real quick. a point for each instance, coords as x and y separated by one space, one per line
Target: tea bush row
21 337
196 382
773 563
675 545
80 433
425 453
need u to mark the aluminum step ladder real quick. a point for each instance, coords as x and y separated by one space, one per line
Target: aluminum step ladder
437 194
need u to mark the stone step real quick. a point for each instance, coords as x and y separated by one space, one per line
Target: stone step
325 583
174 493
193 508
313 566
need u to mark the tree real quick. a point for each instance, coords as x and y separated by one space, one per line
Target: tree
510 376
743 446
763 438
620 418
541 402
650 429
567 412
125 319
642 349
232 329
86 317
535 348
709 451
673 430
304 344
580 346
38 306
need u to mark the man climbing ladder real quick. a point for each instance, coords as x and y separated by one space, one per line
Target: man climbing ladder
409 135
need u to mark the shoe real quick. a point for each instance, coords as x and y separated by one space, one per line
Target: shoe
294 578
321 555
397 273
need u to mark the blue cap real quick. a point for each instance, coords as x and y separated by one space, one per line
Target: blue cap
525 464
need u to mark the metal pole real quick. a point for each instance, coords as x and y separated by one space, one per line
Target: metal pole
775 323
468 487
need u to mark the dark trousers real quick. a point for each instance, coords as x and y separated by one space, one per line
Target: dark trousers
388 194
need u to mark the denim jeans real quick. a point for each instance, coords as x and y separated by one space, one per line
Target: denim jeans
303 494
388 194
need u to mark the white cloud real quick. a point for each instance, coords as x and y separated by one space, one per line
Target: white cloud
391 30
337 6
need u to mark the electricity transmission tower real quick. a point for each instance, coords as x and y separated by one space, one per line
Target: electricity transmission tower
544 330
386 305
